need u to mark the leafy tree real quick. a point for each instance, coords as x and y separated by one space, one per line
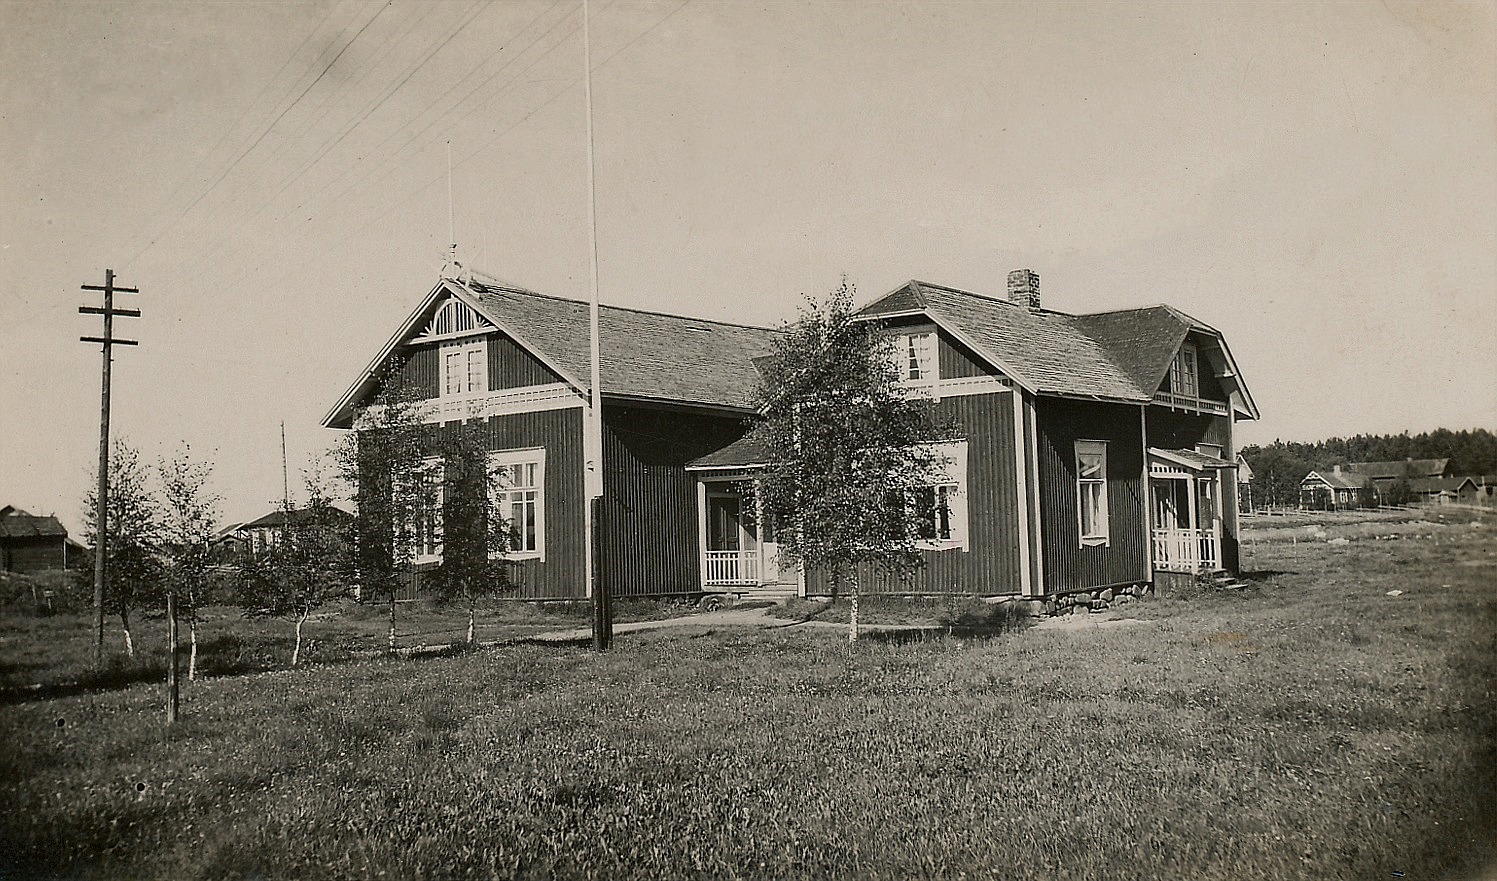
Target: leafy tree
306 566
188 519
475 533
384 461
134 532
847 448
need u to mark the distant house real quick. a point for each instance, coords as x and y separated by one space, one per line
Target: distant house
1336 490
263 533
33 543
1096 450
1387 476
1244 485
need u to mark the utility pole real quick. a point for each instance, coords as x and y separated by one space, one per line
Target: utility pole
101 510
593 436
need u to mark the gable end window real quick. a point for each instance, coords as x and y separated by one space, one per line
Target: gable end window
465 367
520 497
915 357
1091 491
1184 375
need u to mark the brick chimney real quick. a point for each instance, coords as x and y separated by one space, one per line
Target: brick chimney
1335 469
1024 288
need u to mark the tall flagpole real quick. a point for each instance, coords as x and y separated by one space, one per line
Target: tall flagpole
593 434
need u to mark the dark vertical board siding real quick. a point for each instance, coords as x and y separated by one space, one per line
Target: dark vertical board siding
511 366
651 543
1068 565
563 574
419 371
958 361
991 564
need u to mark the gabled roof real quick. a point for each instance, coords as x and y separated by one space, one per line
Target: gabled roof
277 518
649 355
15 523
644 355
1342 480
1121 355
1403 468
1439 484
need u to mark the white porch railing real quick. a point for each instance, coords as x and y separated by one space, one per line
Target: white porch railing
732 567
1190 402
1186 550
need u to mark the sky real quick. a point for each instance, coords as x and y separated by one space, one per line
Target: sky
1318 181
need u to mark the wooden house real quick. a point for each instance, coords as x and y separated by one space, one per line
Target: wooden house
1096 451
31 543
241 540
1336 490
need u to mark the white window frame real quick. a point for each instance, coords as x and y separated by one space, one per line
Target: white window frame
432 468
917 357
1185 373
952 481
467 354
502 461
1091 493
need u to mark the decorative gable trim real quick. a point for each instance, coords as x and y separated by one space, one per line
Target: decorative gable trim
451 320
342 413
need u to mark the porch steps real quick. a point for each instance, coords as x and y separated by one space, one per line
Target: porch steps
774 593
1221 579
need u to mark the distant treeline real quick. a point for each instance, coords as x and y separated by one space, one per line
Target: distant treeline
1279 467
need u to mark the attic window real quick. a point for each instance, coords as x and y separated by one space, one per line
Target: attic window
1184 372
915 357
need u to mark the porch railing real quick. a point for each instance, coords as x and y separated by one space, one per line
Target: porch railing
1186 550
1191 402
732 567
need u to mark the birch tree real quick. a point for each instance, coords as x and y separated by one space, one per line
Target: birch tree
307 566
189 517
133 527
849 449
384 462
475 530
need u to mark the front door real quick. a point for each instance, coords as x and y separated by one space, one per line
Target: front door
732 541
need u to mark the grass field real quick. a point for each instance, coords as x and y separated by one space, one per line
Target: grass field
1310 727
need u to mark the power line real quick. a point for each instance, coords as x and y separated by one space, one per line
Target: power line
222 139
369 109
413 138
266 130
400 201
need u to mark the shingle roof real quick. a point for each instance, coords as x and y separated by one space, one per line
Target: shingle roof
742 453
1143 342
277 518
644 354
1343 480
1115 355
1404 468
19 524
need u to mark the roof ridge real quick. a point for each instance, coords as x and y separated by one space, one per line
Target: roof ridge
994 299
518 290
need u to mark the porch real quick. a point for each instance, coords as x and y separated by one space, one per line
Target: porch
1185 488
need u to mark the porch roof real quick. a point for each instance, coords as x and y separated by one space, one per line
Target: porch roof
1190 459
746 452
